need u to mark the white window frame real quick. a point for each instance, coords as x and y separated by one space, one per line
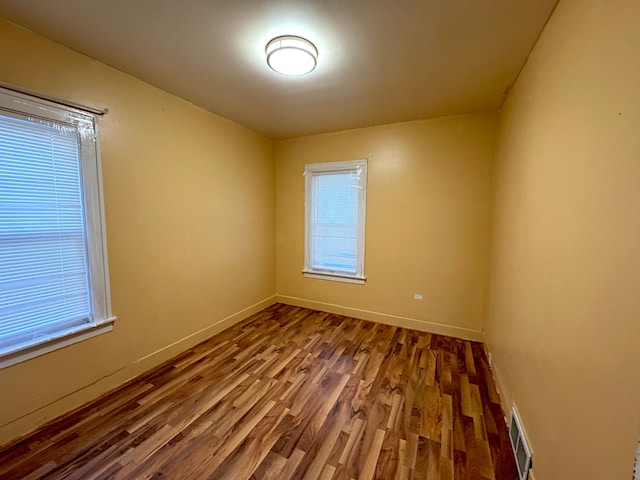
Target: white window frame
36 109
358 168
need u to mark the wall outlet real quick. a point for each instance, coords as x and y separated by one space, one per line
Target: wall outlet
417 296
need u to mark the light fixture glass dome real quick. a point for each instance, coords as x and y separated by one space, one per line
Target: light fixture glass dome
291 55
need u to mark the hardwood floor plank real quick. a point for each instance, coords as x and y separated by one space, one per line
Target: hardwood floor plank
288 393
271 467
354 438
251 452
371 459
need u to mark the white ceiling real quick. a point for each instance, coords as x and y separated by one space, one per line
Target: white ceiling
380 61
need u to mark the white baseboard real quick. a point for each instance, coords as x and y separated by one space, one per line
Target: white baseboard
35 419
413 323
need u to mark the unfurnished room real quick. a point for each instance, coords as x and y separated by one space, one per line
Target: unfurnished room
320 239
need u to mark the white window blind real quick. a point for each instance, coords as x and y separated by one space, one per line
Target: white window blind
53 276
335 211
44 284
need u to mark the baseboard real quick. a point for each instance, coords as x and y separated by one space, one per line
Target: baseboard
413 323
505 398
187 342
36 419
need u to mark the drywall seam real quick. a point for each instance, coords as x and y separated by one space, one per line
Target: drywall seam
386 318
11 432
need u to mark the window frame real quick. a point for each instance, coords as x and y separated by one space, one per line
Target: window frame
23 106
359 167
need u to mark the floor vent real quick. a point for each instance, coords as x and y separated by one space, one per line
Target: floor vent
520 446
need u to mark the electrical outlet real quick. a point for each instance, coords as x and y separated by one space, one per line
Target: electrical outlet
417 296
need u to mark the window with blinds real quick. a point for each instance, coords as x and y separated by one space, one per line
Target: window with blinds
53 279
335 218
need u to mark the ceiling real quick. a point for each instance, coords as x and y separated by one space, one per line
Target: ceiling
380 61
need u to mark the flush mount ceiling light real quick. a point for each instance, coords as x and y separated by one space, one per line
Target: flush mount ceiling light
291 55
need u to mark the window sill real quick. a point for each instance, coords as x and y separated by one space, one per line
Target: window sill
334 277
77 334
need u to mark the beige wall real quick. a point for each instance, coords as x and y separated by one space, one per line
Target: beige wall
564 305
189 200
428 197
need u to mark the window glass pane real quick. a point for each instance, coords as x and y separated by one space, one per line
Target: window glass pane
44 285
334 222
335 211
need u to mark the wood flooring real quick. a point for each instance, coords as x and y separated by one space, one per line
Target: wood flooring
289 393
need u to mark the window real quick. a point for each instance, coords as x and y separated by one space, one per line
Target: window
54 287
335 203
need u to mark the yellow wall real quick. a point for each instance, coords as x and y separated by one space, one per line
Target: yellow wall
189 200
564 305
428 197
